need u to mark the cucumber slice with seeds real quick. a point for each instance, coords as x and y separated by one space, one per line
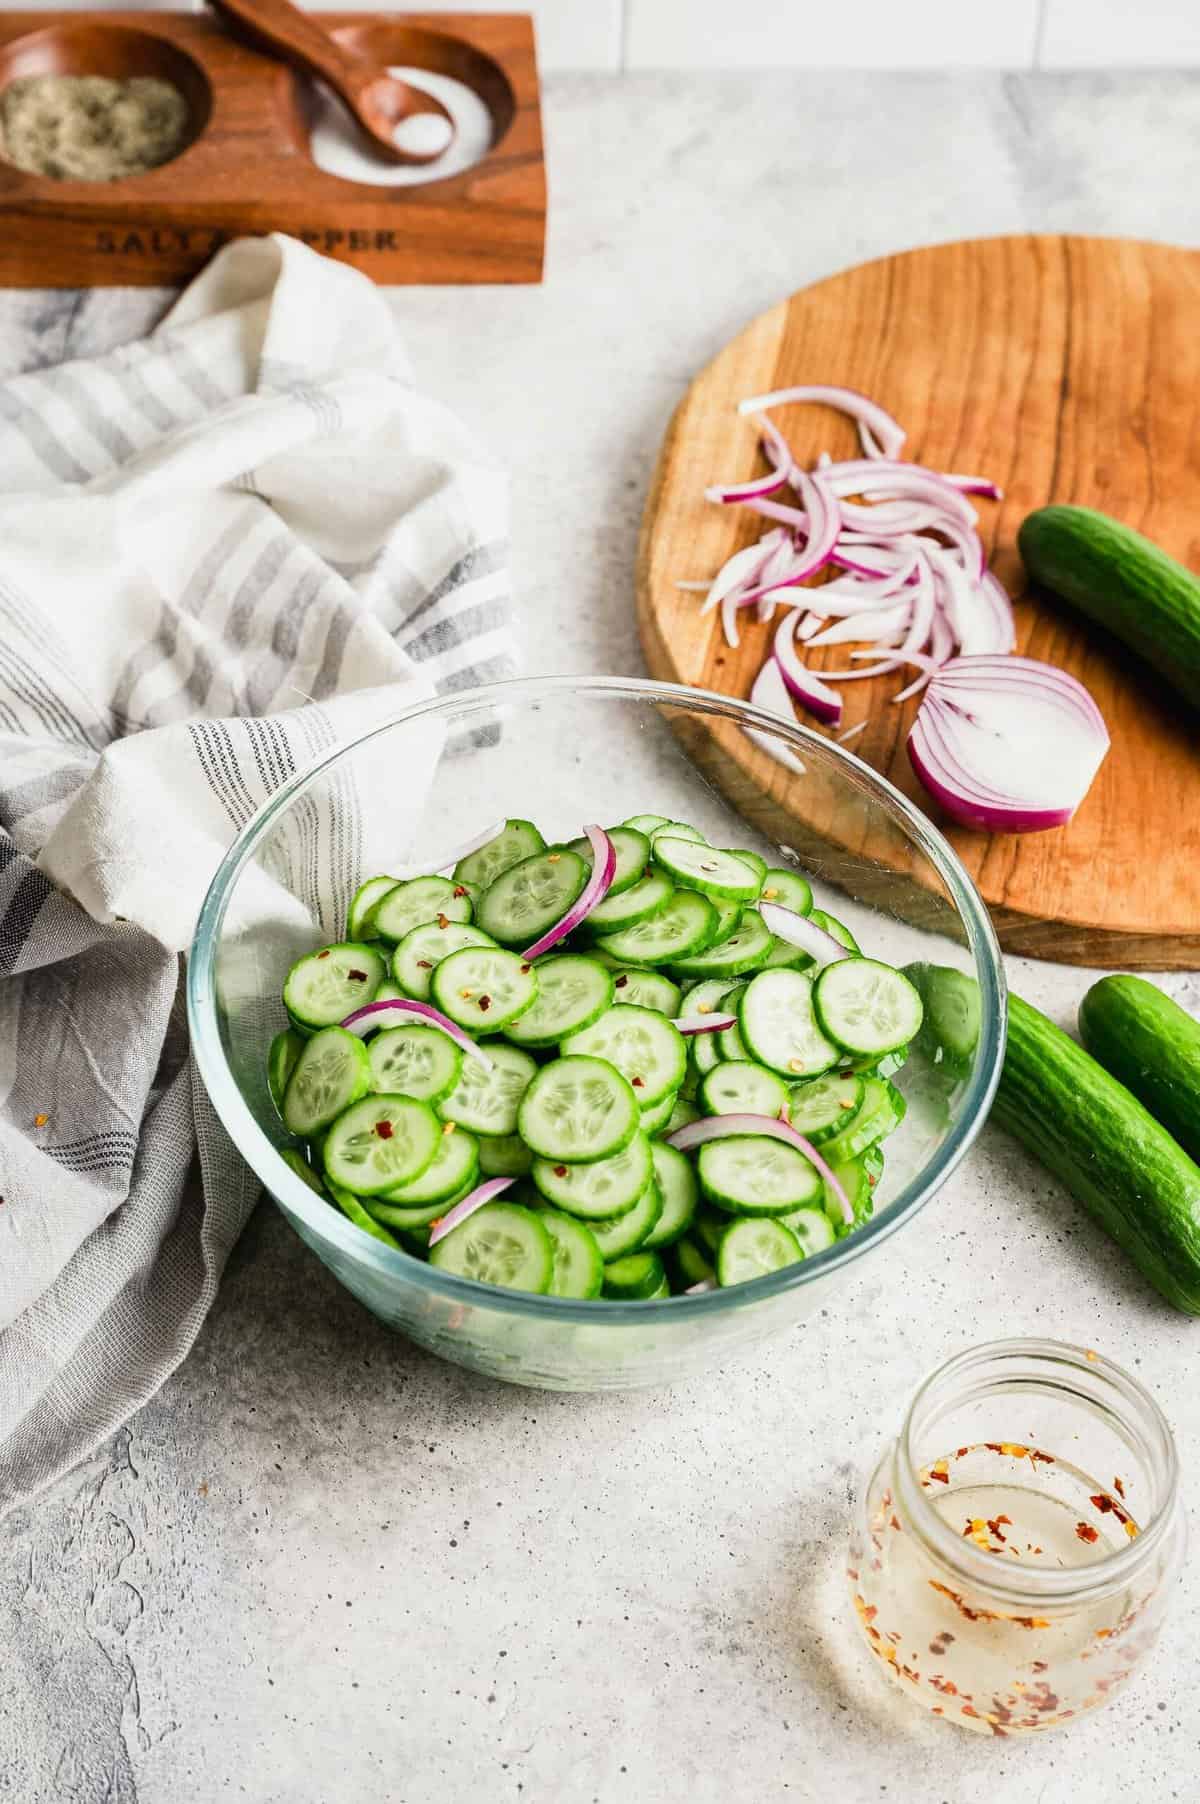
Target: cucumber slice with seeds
453 1171
633 855
685 925
867 1007
740 1087
573 991
788 888
578 1110
332 1072
757 864
578 1268
775 1014
749 1174
647 898
692 865
326 986
655 1118
483 988
487 1102
731 1046
503 1244
517 839
504 1156
642 1044
353 1209
637 1278
380 1142
414 1061
824 1106
420 952
286 1048
627 1233
679 1194
531 896
745 949
407 905
601 1189
358 920
882 1110
752 1249
646 989
812 1228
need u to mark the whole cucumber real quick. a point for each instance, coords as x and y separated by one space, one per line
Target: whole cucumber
1152 1046
1115 576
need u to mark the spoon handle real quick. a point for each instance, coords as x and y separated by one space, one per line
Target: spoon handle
279 26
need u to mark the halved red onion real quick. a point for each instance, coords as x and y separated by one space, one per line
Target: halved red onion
604 864
769 692
447 860
804 683
454 1218
881 434
1007 744
402 1013
704 1024
798 930
720 1127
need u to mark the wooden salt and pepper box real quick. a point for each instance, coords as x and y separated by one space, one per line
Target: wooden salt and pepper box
246 168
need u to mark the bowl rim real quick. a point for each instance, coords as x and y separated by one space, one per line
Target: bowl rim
295 1197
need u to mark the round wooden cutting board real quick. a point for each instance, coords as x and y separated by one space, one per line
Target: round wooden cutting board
1068 369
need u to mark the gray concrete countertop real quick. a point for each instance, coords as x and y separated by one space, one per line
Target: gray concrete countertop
321 1566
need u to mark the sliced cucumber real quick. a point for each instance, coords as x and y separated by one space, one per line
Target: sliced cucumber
730 1045
655 1118
680 1115
332 1072
757 865
855 1181
867 1007
387 991
882 1111
420 952
729 916
578 1110
517 839
358 920
578 1268
678 1194
752 1249
286 1048
647 1048
407 905
454 1168
823 1106
601 1189
572 992
354 1211
414 1061
487 1102
326 986
380 1142
299 1164
483 988
812 1228
783 955
704 1055
646 989
636 1278
692 1263
531 896
679 830
692 865
789 889
742 1088
503 1244
837 928
749 1174
684 926
633 855
647 898
647 823
623 1234
775 1013
745 949
409 1218
950 1030
708 1227
504 1156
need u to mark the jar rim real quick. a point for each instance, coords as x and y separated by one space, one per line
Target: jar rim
1044 1584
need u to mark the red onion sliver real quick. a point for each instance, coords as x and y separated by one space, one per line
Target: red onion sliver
604 864
769 692
719 1127
704 1024
449 859
402 1013
698 1290
874 423
803 683
454 1218
798 930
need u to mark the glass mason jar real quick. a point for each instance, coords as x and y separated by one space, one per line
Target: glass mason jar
1013 1555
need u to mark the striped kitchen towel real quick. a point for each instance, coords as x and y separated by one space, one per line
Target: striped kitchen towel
222 550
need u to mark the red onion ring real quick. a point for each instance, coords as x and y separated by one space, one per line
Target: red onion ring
719 1127
454 1218
401 1013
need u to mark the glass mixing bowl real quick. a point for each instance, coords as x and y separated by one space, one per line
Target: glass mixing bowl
563 751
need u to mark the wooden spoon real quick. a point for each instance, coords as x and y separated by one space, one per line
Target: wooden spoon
378 101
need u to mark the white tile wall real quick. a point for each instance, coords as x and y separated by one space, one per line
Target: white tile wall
1121 34
571 34
815 34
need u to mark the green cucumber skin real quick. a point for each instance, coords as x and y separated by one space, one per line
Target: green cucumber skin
1115 576
1109 1151
1150 1045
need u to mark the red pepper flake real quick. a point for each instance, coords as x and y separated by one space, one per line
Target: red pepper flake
425 964
459 890
1118 1487
851 1571
638 1084
940 1473
1046 1458
443 922
941 1642
620 983
968 1710
324 954
894 1520
384 1129
962 1453
485 1003
1086 1532
358 976
560 1171
525 970
1037 1666
994 1528
40 1120
936 1710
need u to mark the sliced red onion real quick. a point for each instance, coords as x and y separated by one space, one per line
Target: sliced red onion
402 1013
447 860
704 1024
804 683
454 1218
769 692
720 1127
1007 744
874 423
604 864
798 930
698 1290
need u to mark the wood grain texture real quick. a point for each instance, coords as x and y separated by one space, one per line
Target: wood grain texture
247 167
1069 370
